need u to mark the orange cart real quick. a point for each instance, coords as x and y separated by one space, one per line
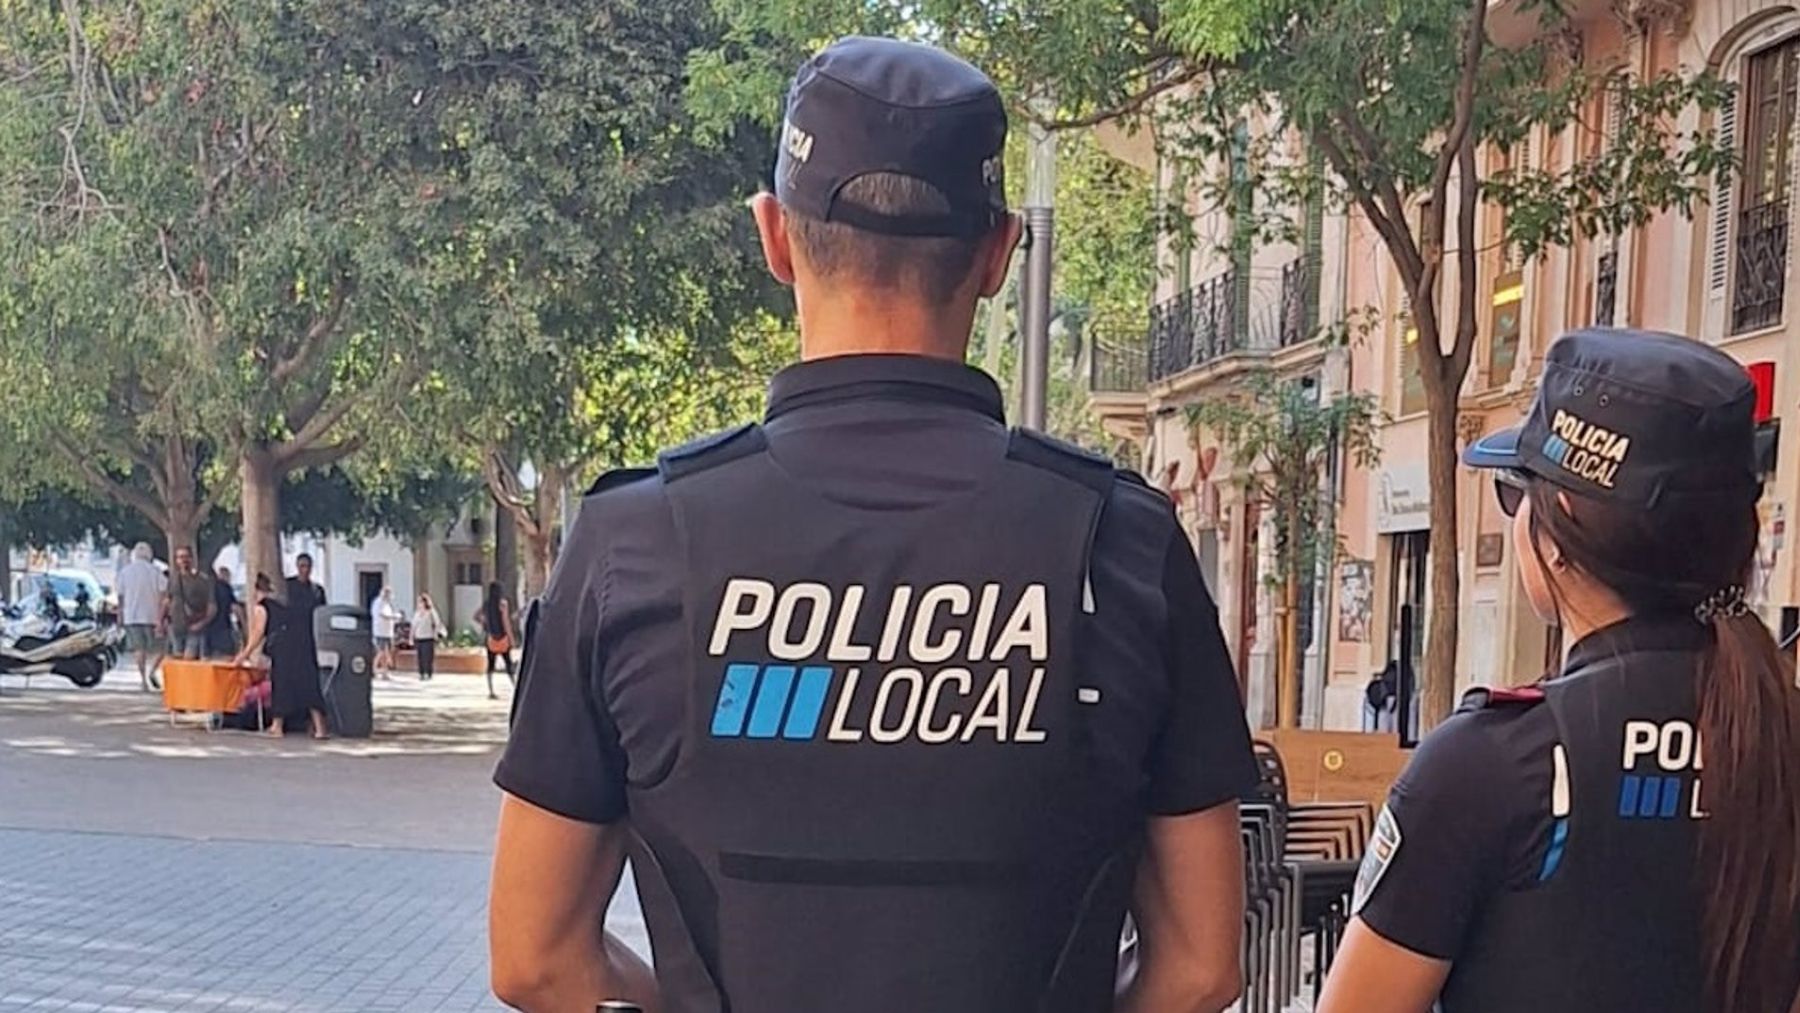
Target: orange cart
205 687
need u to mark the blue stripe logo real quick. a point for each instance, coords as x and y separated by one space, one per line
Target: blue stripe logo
1653 797
766 701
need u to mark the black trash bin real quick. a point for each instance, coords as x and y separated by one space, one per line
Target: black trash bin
346 668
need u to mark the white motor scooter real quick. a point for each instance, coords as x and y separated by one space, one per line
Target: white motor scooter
33 645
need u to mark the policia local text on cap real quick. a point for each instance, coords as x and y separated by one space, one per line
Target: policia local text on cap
891 707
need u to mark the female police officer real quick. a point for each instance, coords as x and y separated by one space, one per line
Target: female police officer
1565 847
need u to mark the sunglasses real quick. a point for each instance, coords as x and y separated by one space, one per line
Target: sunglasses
1509 488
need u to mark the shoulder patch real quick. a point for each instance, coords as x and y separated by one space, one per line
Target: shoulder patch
618 477
1490 697
708 451
1384 844
1065 459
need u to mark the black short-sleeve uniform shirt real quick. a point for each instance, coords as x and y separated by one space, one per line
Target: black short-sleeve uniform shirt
1491 814
602 693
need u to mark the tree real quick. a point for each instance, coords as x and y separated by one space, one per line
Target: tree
624 401
1281 435
593 233
1396 106
1400 104
220 208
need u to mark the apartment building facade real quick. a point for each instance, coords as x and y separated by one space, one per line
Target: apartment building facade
1720 276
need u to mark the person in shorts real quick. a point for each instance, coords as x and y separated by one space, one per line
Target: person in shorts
141 589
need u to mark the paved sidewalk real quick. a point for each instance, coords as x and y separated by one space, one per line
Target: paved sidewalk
145 867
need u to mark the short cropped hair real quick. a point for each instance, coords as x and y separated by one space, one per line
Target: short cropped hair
930 267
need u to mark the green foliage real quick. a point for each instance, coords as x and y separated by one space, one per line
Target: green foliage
1281 437
331 226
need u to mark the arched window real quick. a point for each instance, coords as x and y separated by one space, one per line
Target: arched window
1747 249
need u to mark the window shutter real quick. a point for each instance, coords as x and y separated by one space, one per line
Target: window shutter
1615 114
1719 249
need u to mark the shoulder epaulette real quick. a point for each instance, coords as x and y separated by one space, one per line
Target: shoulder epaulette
1490 697
1065 459
619 477
1132 477
710 451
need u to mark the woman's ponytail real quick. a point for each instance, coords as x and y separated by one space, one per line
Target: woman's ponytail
1750 843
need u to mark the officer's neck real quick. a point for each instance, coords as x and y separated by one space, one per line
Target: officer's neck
865 322
1587 611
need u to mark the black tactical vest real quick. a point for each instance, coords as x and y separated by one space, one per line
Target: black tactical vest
1612 923
885 798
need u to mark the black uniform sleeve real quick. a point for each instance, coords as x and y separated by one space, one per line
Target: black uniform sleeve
1202 756
563 754
1446 841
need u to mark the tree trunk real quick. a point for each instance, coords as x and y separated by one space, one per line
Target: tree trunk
1289 696
262 517
506 550
6 547
1438 680
541 543
183 530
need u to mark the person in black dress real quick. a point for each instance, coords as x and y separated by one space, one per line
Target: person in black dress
294 653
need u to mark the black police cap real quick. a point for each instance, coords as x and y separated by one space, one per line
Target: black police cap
866 105
1632 417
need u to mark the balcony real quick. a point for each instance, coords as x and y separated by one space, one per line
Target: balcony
1204 324
1118 364
1117 371
1194 327
1760 281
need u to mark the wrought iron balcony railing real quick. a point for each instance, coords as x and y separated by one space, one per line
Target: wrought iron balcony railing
1760 282
1194 327
1295 279
1118 364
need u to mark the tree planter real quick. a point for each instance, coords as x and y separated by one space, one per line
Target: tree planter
450 661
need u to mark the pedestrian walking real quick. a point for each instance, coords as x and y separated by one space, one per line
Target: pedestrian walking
495 620
228 617
427 627
384 616
141 588
894 708
1561 848
189 606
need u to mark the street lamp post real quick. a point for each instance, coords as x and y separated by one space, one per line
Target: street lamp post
1034 290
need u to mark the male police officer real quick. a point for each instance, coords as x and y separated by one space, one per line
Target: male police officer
891 708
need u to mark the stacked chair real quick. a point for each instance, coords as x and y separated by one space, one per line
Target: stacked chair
1300 866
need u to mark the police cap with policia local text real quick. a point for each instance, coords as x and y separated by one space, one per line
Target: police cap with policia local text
1631 417
866 105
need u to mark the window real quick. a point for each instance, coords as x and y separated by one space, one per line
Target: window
1503 326
469 574
1412 381
1759 250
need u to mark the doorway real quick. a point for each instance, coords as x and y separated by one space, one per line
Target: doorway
368 586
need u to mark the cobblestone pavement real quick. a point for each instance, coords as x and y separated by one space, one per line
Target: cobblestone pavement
157 868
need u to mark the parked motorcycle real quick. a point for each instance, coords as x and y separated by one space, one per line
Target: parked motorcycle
39 645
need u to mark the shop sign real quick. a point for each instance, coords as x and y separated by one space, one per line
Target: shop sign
1403 499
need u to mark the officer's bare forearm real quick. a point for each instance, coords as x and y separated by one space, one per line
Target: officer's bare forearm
1181 992
577 977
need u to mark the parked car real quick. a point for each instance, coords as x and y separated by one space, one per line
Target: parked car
67 585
